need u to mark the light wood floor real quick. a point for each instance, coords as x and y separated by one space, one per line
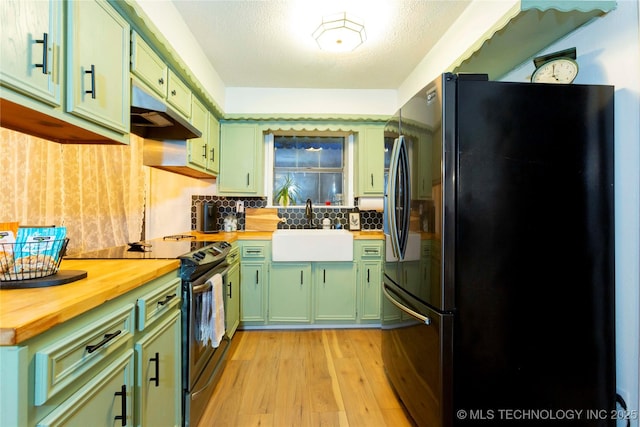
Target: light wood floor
330 377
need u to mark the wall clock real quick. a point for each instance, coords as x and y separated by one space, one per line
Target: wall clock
557 67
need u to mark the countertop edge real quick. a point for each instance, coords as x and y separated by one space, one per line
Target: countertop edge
73 299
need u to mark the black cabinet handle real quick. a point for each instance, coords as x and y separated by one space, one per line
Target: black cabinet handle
368 276
106 339
204 152
173 92
45 48
213 154
257 277
123 401
161 81
247 180
372 180
324 275
156 359
167 299
92 71
301 277
230 290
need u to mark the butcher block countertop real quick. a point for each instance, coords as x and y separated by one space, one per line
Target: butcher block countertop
266 235
25 313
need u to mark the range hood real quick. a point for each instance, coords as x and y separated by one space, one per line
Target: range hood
152 118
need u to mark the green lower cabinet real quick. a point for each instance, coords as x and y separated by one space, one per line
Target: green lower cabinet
159 375
335 291
369 256
105 400
253 292
290 292
370 287
232 300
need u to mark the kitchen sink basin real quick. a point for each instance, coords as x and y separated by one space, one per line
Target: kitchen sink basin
312 245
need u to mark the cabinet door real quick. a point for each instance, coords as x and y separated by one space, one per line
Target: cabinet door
213 145
370 285
106 400
98 86
232 300
241 160
31 40
159 375
179 95
252 292
371 161
198 146
290 292
335 296
148 66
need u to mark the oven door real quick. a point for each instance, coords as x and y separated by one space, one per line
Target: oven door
202 361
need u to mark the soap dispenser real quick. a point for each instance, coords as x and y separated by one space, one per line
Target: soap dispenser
326 222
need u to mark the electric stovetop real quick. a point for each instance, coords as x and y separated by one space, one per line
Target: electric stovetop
169 247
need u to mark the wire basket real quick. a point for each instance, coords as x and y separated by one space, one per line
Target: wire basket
30 260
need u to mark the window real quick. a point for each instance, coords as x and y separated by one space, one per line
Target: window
314 166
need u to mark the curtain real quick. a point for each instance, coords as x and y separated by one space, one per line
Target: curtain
96 191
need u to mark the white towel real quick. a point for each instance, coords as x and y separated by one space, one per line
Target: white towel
217 311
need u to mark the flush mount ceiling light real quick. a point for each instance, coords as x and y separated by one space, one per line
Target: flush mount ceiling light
340 33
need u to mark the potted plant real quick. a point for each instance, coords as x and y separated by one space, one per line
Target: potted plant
287 192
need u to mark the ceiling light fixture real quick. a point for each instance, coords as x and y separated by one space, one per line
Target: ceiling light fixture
340 33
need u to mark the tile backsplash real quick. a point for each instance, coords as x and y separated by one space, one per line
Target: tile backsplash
369 220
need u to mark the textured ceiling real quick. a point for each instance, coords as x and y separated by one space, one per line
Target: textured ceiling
266 43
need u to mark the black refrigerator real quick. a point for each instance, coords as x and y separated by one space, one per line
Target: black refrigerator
498 303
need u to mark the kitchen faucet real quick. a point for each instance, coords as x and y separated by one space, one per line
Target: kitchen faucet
308 212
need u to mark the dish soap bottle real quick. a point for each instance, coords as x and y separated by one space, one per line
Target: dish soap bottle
326 222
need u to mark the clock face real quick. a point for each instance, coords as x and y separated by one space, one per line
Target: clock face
561 70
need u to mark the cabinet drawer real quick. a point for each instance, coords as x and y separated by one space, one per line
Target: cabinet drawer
60 364
371 251
148 66
106 396
254 252
233 256
179 95
158 302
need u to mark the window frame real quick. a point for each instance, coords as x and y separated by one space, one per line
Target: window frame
348 166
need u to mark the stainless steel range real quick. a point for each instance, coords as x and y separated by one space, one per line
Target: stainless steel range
203 266
203 353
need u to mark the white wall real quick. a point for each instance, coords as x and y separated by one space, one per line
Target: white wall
608 51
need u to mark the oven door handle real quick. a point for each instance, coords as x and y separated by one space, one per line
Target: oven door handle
201 289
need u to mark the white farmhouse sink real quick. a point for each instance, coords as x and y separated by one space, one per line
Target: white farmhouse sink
312 245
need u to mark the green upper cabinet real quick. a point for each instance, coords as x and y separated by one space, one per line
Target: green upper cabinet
198 146
204 152
179 95
213 146
371 161
151 69
148 66
241 161
30 46
98 84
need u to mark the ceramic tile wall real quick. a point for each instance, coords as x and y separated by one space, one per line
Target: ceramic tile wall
369 220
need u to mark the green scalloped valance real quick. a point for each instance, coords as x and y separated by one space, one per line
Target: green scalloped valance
529 27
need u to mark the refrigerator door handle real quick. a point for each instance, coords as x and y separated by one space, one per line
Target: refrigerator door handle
404 176
424 319
391 199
